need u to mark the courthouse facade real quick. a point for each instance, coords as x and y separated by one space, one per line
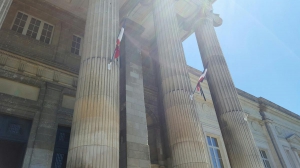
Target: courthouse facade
61 106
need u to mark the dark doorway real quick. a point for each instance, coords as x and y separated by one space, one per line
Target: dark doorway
60 154
12 153
14 133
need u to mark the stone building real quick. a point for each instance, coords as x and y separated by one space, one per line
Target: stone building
60 105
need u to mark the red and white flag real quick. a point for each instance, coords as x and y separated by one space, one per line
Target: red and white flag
201 79
117 50
198 86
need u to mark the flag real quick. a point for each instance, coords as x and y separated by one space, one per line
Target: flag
201 78
117 49
198 86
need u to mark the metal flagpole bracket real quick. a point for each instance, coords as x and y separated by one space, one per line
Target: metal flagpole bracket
191 96
109 66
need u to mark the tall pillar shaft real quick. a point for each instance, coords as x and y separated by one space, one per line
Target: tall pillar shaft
94 140
238 138
137 148
185 132
4 7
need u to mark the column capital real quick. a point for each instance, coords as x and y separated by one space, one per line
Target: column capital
267 120
209 16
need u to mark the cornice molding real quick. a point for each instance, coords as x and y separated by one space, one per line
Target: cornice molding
14 63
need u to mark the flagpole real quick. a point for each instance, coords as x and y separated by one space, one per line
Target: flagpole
202 93
123 26
191 96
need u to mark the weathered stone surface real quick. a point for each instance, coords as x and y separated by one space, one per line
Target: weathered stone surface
43 144
137 149
186 137
237 135
94 140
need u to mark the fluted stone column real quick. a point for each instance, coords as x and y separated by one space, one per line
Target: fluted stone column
186 137
4 7
94 140
239 142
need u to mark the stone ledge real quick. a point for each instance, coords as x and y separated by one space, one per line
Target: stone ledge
12 62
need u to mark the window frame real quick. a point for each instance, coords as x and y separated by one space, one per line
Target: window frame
80 47
269 159
220 148
27 23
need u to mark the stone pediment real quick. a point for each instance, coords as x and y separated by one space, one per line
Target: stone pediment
295 139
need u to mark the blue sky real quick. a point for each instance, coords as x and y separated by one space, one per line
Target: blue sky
261 43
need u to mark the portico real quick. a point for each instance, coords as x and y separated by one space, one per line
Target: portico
109 119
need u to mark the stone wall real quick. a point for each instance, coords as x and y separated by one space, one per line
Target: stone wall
58 52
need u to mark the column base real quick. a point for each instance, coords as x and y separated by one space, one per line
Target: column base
93 156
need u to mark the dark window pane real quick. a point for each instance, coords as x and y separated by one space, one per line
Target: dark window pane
38 22
17 21
30 27
14 28
267 164
20 30
44 32
46 26
19 15
14 129
59 160
22 23
36 29
78 40
73 44
77 52
48 34
24 17
47 40
78 45
32 21
50 28
34 35
28 33
42 38
264 154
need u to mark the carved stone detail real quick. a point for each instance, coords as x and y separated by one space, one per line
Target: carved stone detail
17 64
22 66
3 59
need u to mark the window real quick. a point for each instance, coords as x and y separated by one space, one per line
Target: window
289 156
19 23
76 45
46 33
33 27
60 154
214 151
265 158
